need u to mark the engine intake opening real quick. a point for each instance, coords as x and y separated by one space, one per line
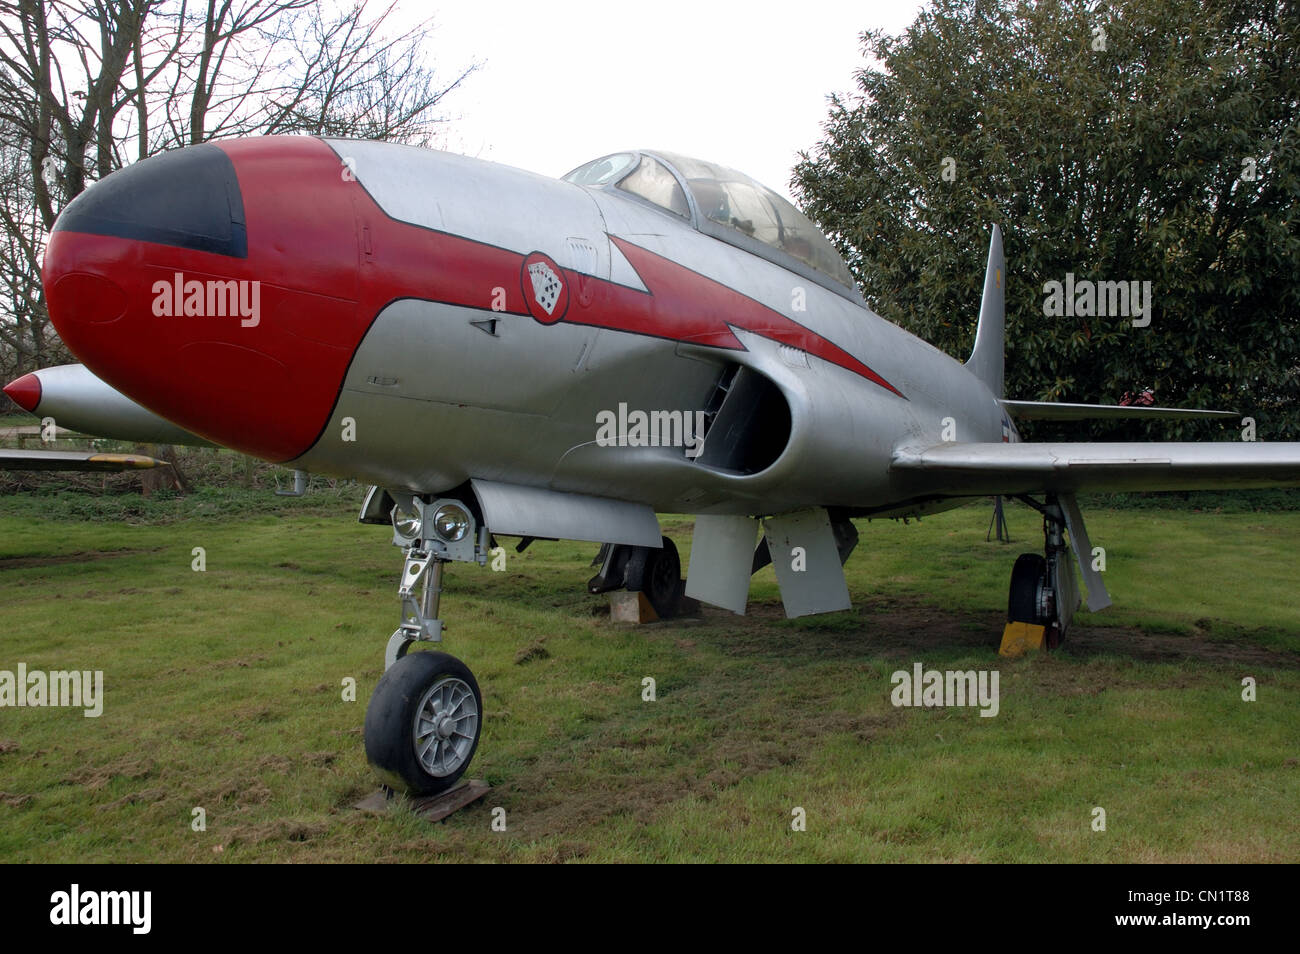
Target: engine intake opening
751 427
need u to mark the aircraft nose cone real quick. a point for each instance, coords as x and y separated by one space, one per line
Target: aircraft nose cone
217 287
25 391
185 199
188 198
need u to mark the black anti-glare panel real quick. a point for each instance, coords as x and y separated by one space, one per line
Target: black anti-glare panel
188 198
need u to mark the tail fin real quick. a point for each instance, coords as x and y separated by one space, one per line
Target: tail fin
985 360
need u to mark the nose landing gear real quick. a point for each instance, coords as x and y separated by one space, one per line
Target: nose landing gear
426 714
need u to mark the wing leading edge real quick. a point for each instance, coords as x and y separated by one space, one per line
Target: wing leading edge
960 470
1054 411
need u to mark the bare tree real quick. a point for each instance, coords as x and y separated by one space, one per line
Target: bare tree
60 88
88 85
26 341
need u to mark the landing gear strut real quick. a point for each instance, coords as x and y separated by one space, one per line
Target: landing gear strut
1043 588
426 714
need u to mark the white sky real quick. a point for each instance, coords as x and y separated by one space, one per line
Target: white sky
741 84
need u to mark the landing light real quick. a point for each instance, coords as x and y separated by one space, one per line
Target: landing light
407 524
451 523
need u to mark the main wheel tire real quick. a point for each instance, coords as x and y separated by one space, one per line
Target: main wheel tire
1026 576
657 574
423 723
663 580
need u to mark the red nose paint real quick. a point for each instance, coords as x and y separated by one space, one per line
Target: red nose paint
249 352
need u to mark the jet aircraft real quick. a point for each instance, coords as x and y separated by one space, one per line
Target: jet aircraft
502 354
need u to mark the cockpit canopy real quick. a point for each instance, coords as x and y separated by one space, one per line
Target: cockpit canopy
726 204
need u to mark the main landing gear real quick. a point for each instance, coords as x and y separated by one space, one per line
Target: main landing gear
1043 588
426 714
655 572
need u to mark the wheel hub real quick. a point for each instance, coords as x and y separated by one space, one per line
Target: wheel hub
446 724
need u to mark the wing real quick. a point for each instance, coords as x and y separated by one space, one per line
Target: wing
75 460
1054 411
960 470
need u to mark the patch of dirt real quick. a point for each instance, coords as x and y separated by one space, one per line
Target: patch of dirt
283 829
239 790
531 652
746 734
897 628
255 793
241 663
96 777
14 800
7 746
566 851
274 763
144 797
81 556
254 713
1171 647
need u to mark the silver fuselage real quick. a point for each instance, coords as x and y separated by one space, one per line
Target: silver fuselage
435 399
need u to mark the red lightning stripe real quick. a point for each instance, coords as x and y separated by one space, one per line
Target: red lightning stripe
684 305
678 305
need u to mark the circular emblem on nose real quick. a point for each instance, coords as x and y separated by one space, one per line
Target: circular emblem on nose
545 288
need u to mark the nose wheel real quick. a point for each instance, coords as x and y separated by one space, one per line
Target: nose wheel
423 723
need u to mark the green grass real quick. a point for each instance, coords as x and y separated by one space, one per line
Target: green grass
224 691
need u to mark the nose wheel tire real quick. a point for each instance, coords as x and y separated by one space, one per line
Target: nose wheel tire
423 723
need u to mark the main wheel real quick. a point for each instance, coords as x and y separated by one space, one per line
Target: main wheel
423 723
658 574
1027 577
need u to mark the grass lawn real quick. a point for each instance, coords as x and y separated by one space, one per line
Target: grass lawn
224 691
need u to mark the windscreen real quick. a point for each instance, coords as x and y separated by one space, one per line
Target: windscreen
734 200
